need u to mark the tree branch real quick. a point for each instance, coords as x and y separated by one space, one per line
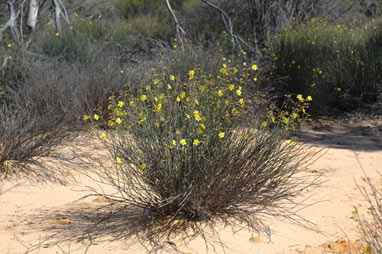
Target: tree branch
236 39
178 27
12 19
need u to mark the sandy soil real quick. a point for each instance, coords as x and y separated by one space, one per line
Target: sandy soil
45 219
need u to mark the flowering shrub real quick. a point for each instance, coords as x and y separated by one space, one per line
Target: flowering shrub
199 147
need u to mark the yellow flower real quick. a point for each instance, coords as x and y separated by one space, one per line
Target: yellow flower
200 131
285 120
121 104
9 45
339 89
201 88
255 67
183 142
172 77
255 79
293 61
159 107
143 166
162 96
197 116
156 81
118 120
309 98
231 87
300 98
241 101
177 99
246 136
220 93
169 86
313 85
196 142
295 115
191 74
188 116
182 95
102 136
143 97
289 141
174 142
177 132
10 57
238 92
110 123
122 71
221 134
86 117
264 124
132 104
57 34
96 117
203 126
118 160
196 102
204 119
234 111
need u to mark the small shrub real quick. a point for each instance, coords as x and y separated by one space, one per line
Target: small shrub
91 27
70 45
28 140
14 65
70 92
196 147
371 229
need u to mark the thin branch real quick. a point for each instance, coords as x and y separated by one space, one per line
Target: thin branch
12 18
236 39
179 30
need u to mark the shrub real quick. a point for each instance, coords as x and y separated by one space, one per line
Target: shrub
71 45
337 64
14 65
40 114
197 147
371 229
70 92
28 140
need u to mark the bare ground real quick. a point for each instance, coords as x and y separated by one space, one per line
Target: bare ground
36 218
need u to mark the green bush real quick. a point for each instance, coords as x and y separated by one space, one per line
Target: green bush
14 65
337 64
71 45
91 27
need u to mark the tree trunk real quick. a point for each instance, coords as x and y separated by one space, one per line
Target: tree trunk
32 14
